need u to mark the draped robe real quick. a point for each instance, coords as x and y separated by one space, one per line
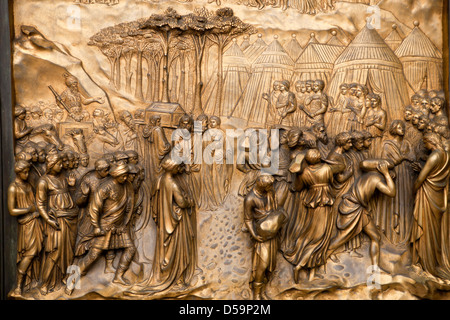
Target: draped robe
429 207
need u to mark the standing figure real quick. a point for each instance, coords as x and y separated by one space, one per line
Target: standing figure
60 214
128 129
312 244
155 150
263 220
88 185
83 166
110 213
217 172
36 115
300 116
271 99
30 237
375 122
393 215
175 256
425 105
37 167
337 116
309 87
73 100
415 102
356 155
282 176
316 105
295 209
437 110
354 211
182 141
358 107
286 105
411 133
198 170
431 189
21 129
343 180
251 159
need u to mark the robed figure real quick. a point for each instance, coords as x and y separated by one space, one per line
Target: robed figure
175 256
394 214
60 214
155 150
430 205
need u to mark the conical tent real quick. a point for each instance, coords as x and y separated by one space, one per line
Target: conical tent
393 40
273 64
334 40
422 61
316 61
245 43
236 72
370 61
255 49
293 48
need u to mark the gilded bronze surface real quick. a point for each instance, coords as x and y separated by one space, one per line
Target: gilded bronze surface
234 149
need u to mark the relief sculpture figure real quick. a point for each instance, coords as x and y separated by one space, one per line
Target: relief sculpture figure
59 213
263 220
315 237
110 212
354 215
394 214
430 204
22 204
175 259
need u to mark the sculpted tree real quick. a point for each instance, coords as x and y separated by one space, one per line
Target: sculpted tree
142 40
184 49
154 56
164 40
110 44
225 26
168 26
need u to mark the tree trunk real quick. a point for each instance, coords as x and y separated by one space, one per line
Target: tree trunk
181 89
128 73
206 62
165 93
199 50
139 95
118 74
174 86
157 79
113 71
219 93
150 68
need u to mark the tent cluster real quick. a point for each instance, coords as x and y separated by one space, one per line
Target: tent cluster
395 68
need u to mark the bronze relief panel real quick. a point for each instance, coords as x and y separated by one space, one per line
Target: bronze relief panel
230 149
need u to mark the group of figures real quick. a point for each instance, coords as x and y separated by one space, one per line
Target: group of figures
71 213
331 173
68 215
357 109
388 181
